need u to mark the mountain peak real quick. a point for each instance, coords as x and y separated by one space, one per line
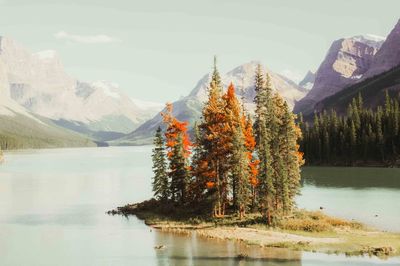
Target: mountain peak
388 55
345 63
308 80
372 40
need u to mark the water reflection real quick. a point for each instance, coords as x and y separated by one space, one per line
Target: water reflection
352 177
193 250
351 193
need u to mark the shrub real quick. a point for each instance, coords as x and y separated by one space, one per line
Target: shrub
307 225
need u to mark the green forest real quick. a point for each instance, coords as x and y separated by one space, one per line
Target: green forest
363 136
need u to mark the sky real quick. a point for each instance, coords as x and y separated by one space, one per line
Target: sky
158 50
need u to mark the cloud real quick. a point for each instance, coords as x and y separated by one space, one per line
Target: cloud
293 75
100 38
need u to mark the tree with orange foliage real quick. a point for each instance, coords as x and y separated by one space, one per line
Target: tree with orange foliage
178 152
233 138
250 143
211 168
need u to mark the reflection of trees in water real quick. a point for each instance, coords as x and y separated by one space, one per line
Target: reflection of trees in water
185 250
352 177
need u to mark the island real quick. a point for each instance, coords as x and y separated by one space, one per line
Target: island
238 179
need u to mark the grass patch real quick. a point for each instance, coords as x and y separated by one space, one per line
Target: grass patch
315 221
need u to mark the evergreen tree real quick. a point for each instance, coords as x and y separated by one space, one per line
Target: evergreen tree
262 128
199 168
178 152
240 173
160 178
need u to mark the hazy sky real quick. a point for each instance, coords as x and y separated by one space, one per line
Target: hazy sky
158 50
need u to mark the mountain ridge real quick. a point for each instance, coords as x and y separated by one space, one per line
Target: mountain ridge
189 107
38 82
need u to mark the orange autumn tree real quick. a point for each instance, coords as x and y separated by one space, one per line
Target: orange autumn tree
233 138
223 166
211 167
250 143
240 158
178 151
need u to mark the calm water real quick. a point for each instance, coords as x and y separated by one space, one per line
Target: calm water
53 203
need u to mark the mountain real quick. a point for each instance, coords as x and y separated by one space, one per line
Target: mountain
21 129
347 60
372 90
308 81
388 55
189 107
38 82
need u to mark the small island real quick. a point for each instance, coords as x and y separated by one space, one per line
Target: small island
238 180
311 231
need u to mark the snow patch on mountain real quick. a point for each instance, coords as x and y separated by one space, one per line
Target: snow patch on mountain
108 88
370 40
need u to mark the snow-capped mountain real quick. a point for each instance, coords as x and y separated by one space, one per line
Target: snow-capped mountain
38 82
189 107
388 55
347 60
243 79
19 128
308 81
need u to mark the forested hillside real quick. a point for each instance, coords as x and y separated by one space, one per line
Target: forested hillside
364 136
20 132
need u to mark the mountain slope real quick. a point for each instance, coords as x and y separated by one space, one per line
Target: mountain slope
38 82
308 81
388 55
20 129
189 108
347 60
371 89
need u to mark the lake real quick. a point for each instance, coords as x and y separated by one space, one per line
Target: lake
53 204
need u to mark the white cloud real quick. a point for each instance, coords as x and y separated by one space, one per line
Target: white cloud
293 75
100 38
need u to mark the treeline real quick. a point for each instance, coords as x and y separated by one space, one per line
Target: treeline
362 136
233 165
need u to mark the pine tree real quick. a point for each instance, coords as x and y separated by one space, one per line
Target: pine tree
160 179
292 159
178 152
240 173
179 172
199 167
213 129
253 166
262 128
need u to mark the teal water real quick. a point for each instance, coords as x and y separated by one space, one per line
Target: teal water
53 203
370 195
